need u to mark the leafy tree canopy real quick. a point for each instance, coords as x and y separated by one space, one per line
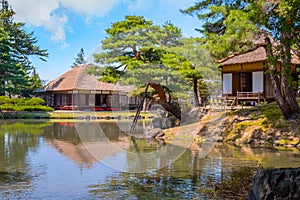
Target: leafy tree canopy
136 52
16 48
232 26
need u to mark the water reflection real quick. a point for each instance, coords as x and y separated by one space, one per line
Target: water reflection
17 139
47 160
84 143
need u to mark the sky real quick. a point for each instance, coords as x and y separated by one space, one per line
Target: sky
63 27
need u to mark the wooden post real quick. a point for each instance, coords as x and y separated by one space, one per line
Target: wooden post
1 113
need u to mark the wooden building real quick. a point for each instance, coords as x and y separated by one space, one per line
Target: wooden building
77 90
244 75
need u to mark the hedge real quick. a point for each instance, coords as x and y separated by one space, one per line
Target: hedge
10 107
21 104
34 102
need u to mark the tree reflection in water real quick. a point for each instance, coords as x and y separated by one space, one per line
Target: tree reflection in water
25 176
186 178
17 139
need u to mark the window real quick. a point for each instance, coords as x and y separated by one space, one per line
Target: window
227 83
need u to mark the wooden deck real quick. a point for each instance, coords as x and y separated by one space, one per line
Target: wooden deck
241 97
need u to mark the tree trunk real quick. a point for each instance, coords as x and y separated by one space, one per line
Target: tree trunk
145 105
169 106
282 90
196 92
2 86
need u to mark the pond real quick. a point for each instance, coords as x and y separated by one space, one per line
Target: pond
98 160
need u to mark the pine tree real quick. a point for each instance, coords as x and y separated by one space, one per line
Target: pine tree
16 48
137 52
79 59
230 26
203 72
34 83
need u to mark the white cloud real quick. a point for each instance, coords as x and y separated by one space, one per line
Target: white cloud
33 11
41 14
48 13
90 7
139 5
56 26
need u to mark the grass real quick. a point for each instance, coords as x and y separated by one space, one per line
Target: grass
247 126
256 122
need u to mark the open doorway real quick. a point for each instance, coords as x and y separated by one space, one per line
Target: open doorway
246 82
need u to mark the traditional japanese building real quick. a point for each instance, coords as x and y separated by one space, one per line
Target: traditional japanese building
245 74
78 90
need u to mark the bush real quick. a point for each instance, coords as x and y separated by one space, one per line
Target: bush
20 104
17 101
14 101
35 102
9 107
36 108
4 99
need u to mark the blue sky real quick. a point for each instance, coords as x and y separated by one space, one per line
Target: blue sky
63 27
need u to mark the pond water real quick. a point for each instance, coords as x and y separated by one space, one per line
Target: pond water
98 160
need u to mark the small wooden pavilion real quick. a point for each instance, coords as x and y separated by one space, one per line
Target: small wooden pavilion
244 76
78 90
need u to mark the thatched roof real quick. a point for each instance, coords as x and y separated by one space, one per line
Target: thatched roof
78 79
88 153
254 55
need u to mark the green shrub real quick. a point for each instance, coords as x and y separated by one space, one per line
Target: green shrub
4 99
9 107
34 101
36 108
21 104
15 101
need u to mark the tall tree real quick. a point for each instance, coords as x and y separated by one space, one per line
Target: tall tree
203 73
34 83
15 64
137 52
230 26
79 59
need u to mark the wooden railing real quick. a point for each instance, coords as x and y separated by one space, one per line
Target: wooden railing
245 97
249 95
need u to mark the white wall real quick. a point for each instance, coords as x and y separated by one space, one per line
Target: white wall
227 83
258 81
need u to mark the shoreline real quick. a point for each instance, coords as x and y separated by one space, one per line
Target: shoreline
258 126
77 115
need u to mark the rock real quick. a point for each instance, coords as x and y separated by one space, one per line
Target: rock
155 133
250 140
278 134
283 183
163 123
269 139
291 138
219 139
277 143
156 122
193 115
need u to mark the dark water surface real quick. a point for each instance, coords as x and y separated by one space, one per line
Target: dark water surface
82 160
